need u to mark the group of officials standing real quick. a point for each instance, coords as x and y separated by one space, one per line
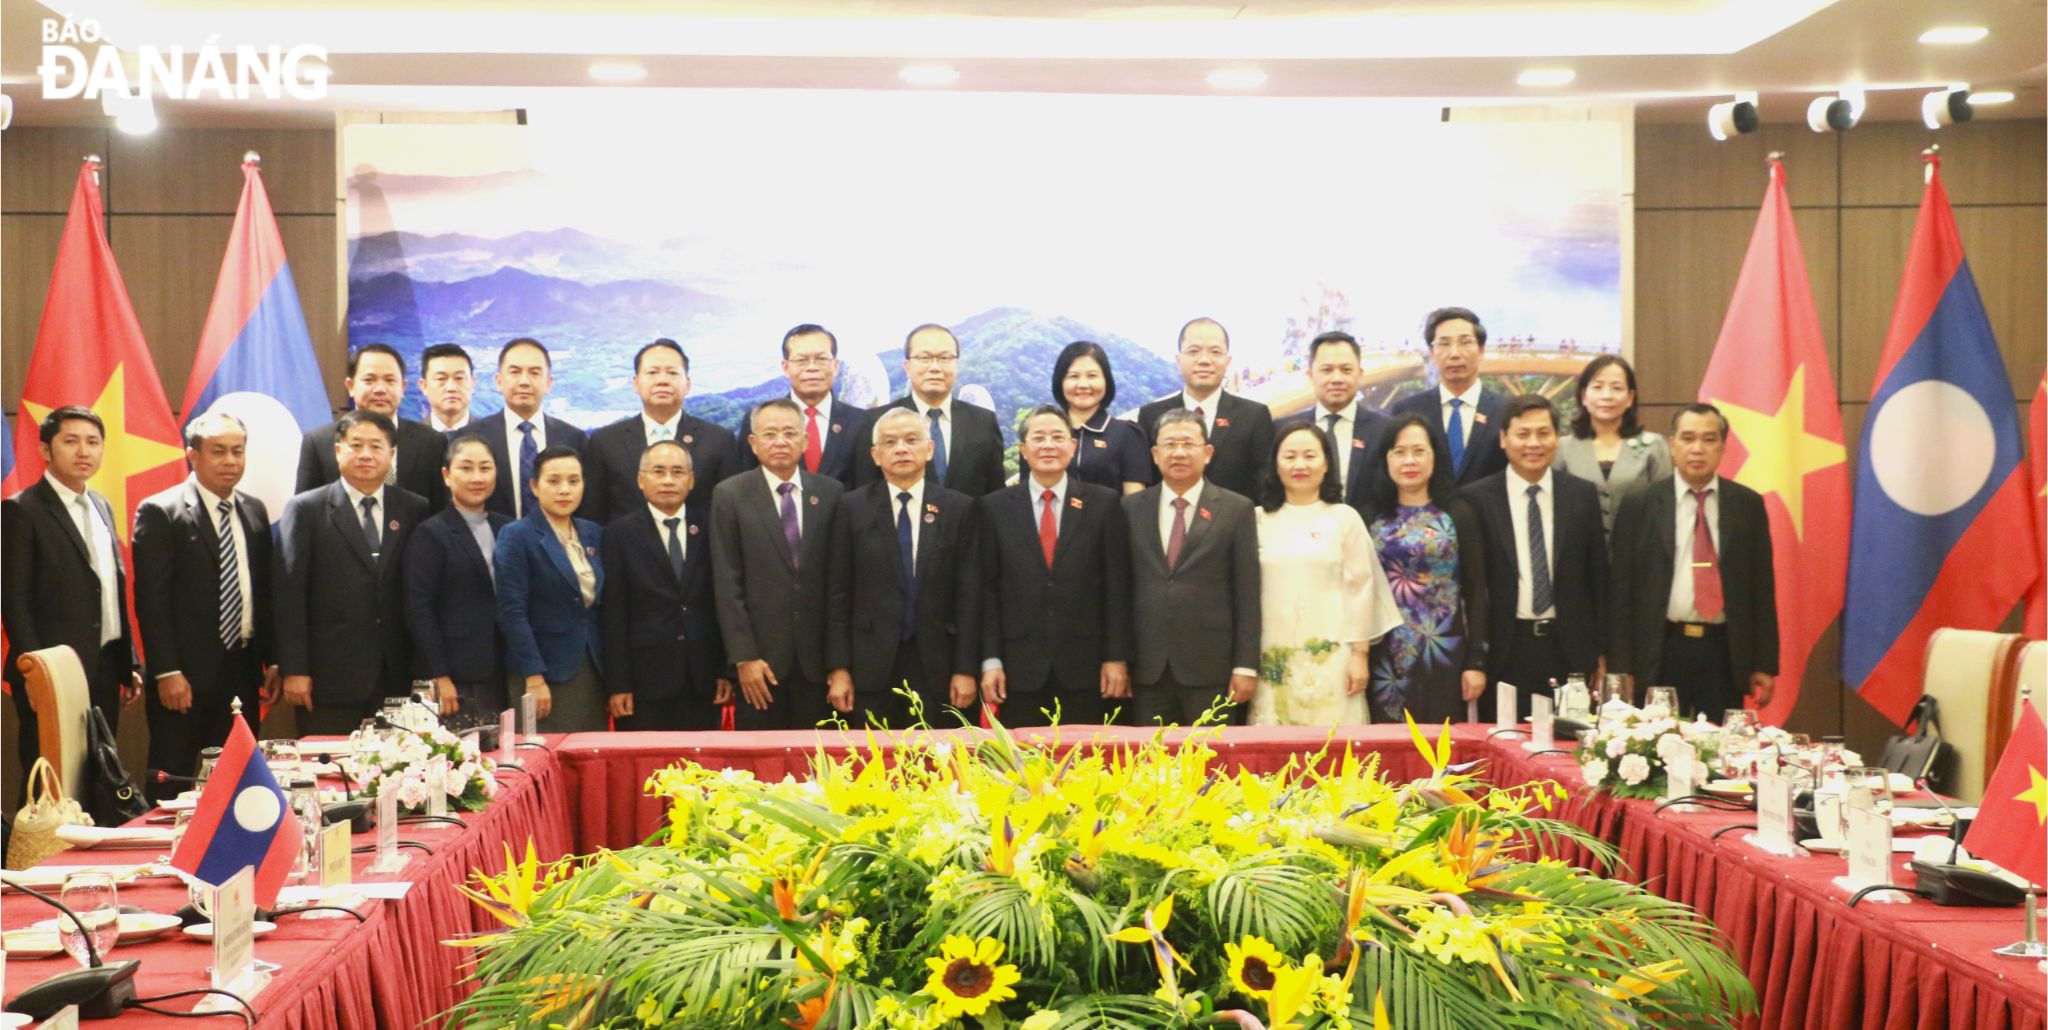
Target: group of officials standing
829 559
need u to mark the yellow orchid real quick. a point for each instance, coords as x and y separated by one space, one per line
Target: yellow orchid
508 895
1438 757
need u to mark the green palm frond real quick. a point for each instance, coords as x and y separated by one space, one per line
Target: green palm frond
1113 1012
1294 906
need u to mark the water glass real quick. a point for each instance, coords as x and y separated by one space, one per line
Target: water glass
282 756
208 758
1662 701
91 895
1871 784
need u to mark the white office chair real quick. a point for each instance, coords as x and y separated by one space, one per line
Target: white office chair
58 691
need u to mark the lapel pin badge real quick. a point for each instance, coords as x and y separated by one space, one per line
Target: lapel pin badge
1102 443
933 508
1479 417
1205 514
930 518
693 530
394 525
589 551
835 427
1074 502
814 500
1357 444
1222 423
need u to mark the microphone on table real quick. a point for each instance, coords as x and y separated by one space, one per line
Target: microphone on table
1957 825
101 990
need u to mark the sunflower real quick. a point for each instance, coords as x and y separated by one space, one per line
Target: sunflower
1253 963
966 979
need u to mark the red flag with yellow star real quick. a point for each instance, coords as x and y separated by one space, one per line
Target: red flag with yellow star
2011 827
2037 597
89 350
1770 376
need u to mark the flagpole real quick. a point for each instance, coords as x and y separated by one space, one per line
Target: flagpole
1932 157
2029 945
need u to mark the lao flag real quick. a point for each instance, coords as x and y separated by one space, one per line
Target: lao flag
242 820
255 359
1943 528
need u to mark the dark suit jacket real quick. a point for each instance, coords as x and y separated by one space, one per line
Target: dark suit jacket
177 586
50 595
492 429
547 628
1243 439
865 621
660 636
1200 620
1066 620
1367 425
611 464
451 606
772 604
420 452
1645 545
1483 455
1578 567
974 459
846 443
340 612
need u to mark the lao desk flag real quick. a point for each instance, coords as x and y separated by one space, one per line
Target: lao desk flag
2011 827
242 820
255 359
1943 533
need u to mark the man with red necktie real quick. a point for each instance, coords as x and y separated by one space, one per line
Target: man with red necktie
832 427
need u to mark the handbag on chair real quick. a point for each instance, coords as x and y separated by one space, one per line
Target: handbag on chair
1921 753
44 808
111 795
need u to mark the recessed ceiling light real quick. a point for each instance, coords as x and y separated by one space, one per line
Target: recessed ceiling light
1237 78
1546 77
929 75
1997 96
617 71
1955 34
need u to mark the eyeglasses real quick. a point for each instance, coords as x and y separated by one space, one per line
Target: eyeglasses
1179 447
933 360
813 361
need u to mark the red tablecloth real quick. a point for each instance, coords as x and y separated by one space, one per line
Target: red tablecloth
389 971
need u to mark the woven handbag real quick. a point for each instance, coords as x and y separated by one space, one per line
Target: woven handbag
44 809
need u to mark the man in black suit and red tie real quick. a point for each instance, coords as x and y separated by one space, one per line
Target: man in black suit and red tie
1055 590
202 599
832 427
967 444
904 595
517 434
1468 413
65 583
664 663
1334 373
611 460
1239 431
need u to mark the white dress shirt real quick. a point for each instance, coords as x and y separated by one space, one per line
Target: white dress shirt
658 431
1466 411
1680 608
1194 511
916 491
1518 510
824 407
513 439
1035 492
99 542
1208 406
435 421
1340 438
796 497
945 411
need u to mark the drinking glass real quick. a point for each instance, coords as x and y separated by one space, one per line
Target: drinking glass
1662 701
282 756
1872 783
92 896
208 758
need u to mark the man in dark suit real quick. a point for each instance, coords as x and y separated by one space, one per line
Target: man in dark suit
832 428
1694 599
664 661
517 434
967 444
64 582
448 382
1195 565
376 382
771 550
1334 373
1468 413
903 588
450 601
342 643
1546 560
1056 588
1239 431
202 600
611 460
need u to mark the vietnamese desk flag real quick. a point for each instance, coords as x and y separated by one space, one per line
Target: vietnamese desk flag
1770 376
242 820
2011 827
1944 534
255 359
2037 433
89 350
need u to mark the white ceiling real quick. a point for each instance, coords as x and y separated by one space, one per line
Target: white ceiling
1672 56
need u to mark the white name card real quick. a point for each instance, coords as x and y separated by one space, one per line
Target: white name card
1504 712
506 740
437 787
234 929
65 1019
1870 849
529 715
1774 816
388 858
1679 771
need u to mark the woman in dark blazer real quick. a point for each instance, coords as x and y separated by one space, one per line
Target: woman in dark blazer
549 577
1111 452
1430 545
450 603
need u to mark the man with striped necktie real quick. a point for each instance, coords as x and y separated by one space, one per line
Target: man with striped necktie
202 599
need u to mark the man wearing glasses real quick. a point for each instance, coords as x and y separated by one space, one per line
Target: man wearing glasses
967 445
832 428
1469 414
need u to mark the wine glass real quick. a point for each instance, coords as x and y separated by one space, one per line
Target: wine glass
1662 701
91 895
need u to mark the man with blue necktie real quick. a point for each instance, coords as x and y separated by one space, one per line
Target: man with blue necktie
1468 413
967 444
515 435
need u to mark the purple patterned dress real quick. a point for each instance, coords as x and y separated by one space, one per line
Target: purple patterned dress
1416 666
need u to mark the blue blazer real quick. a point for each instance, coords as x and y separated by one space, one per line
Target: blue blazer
547 628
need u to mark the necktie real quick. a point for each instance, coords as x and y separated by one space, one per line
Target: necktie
790 532
1539 558
1337 447
370 534
1706 563
675 547
660 433
1456 429
814 444
230 580
1179 534
1048 529
92 551
1205 420
906 552
938 446
528 451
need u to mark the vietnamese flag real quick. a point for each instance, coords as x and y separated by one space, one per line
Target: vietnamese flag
1770 376
2011 827
2037 596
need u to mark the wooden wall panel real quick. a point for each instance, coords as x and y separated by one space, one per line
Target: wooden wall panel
170 263
39 167
199 170
2001 162
29 243
1680 166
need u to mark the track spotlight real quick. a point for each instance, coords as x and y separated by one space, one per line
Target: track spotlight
1945 107
1838 113
1732 118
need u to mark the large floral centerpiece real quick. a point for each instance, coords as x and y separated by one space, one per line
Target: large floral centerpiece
1042 886
1626 755
398 760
